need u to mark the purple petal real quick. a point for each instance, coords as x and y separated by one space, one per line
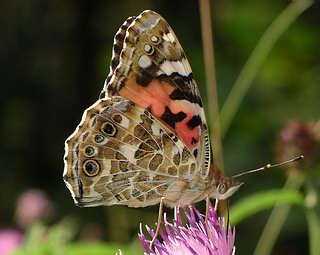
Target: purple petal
192 238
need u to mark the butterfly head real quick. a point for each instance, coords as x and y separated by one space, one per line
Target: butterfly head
225 188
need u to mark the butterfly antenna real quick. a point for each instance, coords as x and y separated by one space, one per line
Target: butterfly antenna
268 166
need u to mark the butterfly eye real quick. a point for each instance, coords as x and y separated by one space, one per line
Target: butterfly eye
89 151
108 128
155 39
99 138
91 168
222 188
149 49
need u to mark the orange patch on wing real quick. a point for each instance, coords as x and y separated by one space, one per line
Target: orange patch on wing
188 135
155 96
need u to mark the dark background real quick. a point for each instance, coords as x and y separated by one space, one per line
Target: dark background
54 57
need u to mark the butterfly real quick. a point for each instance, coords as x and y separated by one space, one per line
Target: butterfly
145 141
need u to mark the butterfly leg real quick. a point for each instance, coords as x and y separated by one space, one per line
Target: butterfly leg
216 204
228 215
176 212
207 216
207 209
158 223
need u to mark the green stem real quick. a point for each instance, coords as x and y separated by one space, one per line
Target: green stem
213 107
312 220
277 218
314 232
256 59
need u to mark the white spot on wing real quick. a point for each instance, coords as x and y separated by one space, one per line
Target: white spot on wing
145 61
166 38
171 37
155 130
154 39
152 21
124 122
147 48
170 67
129 151
186 65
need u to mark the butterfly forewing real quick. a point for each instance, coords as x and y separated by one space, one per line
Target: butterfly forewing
154 72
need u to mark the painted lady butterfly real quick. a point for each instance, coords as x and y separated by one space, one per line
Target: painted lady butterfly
145 141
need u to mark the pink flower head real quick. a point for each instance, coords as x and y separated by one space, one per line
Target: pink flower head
10 239
192 238
32 205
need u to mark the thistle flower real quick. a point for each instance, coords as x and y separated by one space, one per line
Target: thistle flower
299 137
192 238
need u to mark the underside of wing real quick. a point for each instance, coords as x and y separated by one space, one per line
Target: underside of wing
116 50
153 72
121 154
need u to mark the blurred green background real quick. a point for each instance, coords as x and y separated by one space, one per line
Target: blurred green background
54 57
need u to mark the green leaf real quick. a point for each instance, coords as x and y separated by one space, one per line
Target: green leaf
260 201
42 240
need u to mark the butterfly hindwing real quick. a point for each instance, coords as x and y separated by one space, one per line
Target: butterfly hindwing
120 154
154 73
